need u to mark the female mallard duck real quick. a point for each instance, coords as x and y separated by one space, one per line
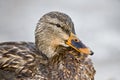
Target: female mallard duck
56 55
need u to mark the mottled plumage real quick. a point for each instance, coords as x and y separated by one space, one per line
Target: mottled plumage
50 57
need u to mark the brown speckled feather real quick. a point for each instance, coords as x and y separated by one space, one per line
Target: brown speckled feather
21 61
18 60
72 66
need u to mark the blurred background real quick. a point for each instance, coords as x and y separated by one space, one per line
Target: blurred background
97 24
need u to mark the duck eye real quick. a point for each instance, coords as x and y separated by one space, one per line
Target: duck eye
58 25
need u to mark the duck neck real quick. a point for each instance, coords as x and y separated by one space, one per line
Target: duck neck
65 54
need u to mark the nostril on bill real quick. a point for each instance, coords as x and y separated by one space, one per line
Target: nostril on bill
76 40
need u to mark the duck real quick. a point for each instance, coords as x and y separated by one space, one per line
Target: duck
56 54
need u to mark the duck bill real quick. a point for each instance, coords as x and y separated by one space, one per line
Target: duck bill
75 43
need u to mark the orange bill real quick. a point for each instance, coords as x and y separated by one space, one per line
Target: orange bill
75 43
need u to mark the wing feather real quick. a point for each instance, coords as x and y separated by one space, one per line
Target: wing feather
20 58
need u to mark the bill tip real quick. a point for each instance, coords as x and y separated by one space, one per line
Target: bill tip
91 53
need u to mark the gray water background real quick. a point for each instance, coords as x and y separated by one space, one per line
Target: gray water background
97 24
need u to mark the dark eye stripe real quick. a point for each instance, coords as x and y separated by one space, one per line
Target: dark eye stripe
58 25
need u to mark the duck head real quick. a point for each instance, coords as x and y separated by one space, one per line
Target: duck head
56 29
